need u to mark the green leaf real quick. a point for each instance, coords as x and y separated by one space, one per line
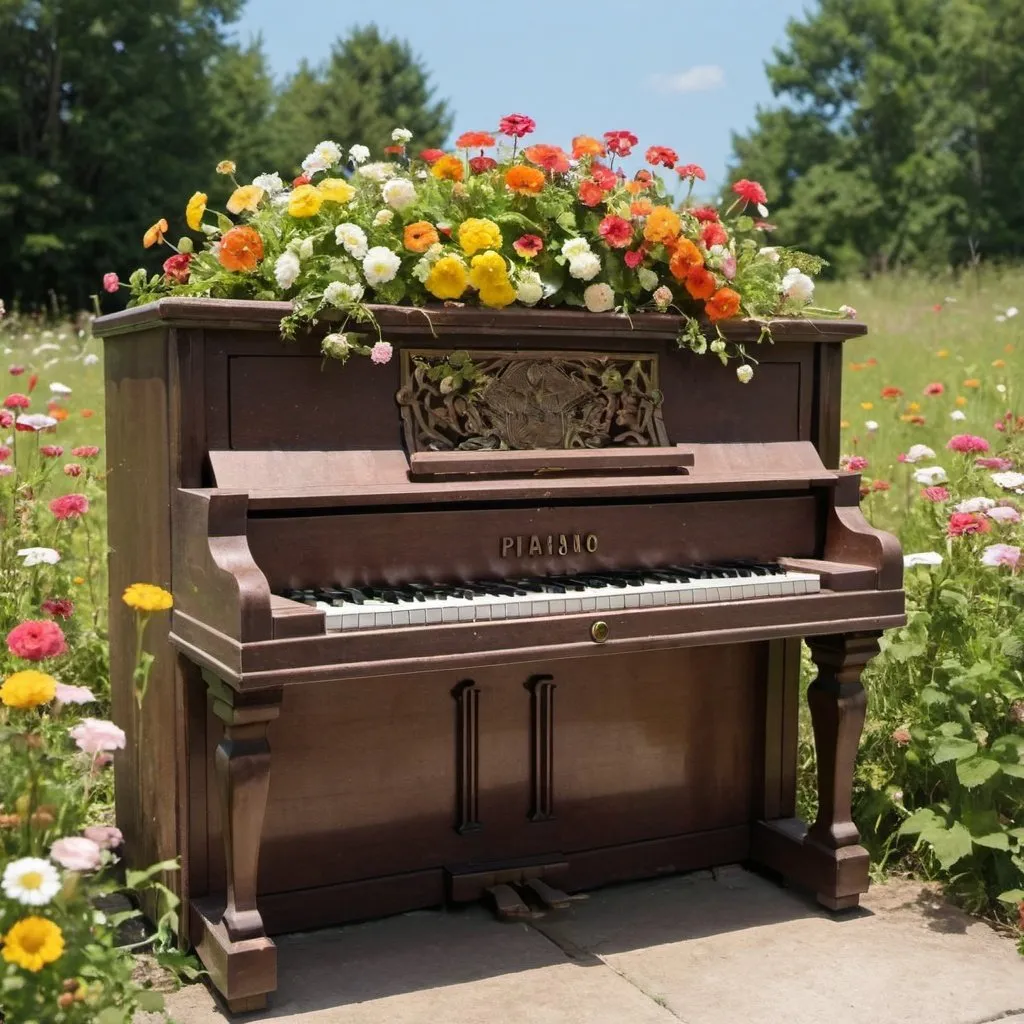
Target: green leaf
925 818
949 845
1011 896
953 748
111 1015
933 695
994 841
566 221
1016 770
901 652
150 1000
976 770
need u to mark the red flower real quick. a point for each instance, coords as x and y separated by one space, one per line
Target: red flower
891 392
634 258
69 506
935 494
880 485
16 371
479 164
621 143
528 245
85 451
854 463
58 607
33 380
662 155
429 156
36 639
302 179
705 214
516 125
691 171
963 523
72 469
6 419
994 463
616 231
474 140
967 443
590 193
176 267
713 234
935 388
750 191
17 401
551 158
763 225
5 453
394 150
51 451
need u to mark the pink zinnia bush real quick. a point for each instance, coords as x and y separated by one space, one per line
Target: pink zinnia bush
70 506
967 443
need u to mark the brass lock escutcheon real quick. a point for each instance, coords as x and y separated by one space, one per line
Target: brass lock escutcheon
599 631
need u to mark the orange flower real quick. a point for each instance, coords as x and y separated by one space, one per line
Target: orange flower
474 140
685 258
241 248
972 382
59 413
87 414
526 181
663 225
700 283
587 145
641 207
634 188
590 193
155 235
999 364
551 158
419 237
722 305
891 392
447 167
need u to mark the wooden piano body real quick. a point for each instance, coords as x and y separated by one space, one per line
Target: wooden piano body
309 778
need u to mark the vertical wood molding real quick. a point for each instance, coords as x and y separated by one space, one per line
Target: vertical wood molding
542 747
467 756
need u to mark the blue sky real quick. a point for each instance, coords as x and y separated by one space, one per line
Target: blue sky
679 73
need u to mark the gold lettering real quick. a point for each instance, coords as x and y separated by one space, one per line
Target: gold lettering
535 547
577 546
519 547
551 544
507 544
563 545
591 542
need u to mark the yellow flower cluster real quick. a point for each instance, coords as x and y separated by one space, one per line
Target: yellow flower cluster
305 201
28 689
476 234
336 190
245 197
145 597
447 278
489 275
33 943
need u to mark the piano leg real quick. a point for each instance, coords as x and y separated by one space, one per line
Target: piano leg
827 858
229 935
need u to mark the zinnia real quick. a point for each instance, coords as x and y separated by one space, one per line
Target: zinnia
586 145
36 640
661 155
616 231
241 249
97 736
723 304
69 506
106 837
85 451
481 164
551 158
1001 554
420 236
147 597
621 143
474 140
590 193
516 125
447 168
750 191
692 171
935 388
963 523
967 443
935 494
77 853
524 180
713 234
429 156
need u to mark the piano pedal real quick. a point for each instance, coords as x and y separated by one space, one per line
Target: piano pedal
508 905
548 896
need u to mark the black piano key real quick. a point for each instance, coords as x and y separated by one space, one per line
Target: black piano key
530 585
569 582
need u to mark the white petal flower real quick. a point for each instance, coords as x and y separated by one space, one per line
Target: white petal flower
328 152
304 249
797 286
271 183
599 298
745 373
975 505
90 359
1003 514
380 265
286 269
378 172
922 558
352 238
31 881
648 279
585 267
421 269
359 154
56 388
337 346
1012 312
530 288
871 425
401 136
663 299
399 193
337 293
382 217
1009 481
958 414
930 475
575 247
38 556
770 252
36 421
918 452
47 346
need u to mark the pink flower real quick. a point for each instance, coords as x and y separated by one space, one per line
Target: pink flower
935 494
633 258
854 463
901 736
6 470
935 388
111 282
993 463
85 451
58 607
964 523
691 171
616 231
620 143
729 267
967 443
36 639
69 506
480 164
16 371
74 694
106 837
72 469
381 353
1004 514
5 453
17 401
750 192
76 853
34 422
51 451
996 555
516 125
6 419
95 735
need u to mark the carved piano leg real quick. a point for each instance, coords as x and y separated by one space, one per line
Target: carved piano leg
827 857
232 942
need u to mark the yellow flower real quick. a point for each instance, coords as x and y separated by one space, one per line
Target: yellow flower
488 271
913 406
960 400
498 296
145 597
476 234
972 382
78 581
33 943
226 167
336 190
447 278
245 197
447 167
999 363
844 424
195 210
305 201
867 405
942 353
155 234
1008 348
28 689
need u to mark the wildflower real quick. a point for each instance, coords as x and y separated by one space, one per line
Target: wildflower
352 239
935 388
599 298
147 597
17 401
584 267
922 558
447 168
848 312
661 156
516 125
685 258
880 485
528 246
901 736
551 158
448 278
957 415
28 689
430 156
916 453
69 506
529 287
723 304
797 286
111 282
177 268
38 556
744 373
974 505
700 283
241 249
226 167
694 172
586 145
870 426
616 231
36 640
474 140
477 233
854 463
31 881
86 414
663 225
967 443
891 392
524 180
996 555
964 523
338 190
750 192
270 183
155 234
972 382
51 451
994 463
85 451
1004 514
620 143
590 193
245 198
76 853
1008 481
381 353
74 694
662 297
401 136
32 943
380 265
95 735
935 494
35 422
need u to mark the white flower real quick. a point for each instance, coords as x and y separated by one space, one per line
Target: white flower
74 694
1001 388
399 193
585 267
1003 514
380 265
36 421
648 279
50 362
663 297
305 248
848 311
31 881
770 252
575 247
271 183
529 290
1012 312
377 172
1010 481
38 556
286 269
871 425
975 505
599 298
922 558
337 346
383 217
401 136
352 238
56 388
90 359
718 346
745 373
798 286
918 452
930 475
47 346
958 414
762 209
339 294
358 154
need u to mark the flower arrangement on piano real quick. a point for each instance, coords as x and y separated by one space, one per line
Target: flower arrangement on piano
532 224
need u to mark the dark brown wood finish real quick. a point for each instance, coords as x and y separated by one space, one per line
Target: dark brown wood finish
316 778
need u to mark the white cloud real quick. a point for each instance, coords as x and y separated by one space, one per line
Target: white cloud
699 78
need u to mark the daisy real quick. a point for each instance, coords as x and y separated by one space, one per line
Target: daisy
31 881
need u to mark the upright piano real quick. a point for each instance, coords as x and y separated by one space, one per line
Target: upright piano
515 615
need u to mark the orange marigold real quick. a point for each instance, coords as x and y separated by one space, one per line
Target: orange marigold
474 140
241 248
447 166
722 305
527 181
420 236
641 207
587 145
551 158
663 225
700 283
685 258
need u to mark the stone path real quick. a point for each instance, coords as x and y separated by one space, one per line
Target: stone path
728 948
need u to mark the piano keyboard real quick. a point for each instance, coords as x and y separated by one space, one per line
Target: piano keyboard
422 604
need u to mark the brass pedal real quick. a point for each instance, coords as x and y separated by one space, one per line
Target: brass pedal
507 903
550 897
